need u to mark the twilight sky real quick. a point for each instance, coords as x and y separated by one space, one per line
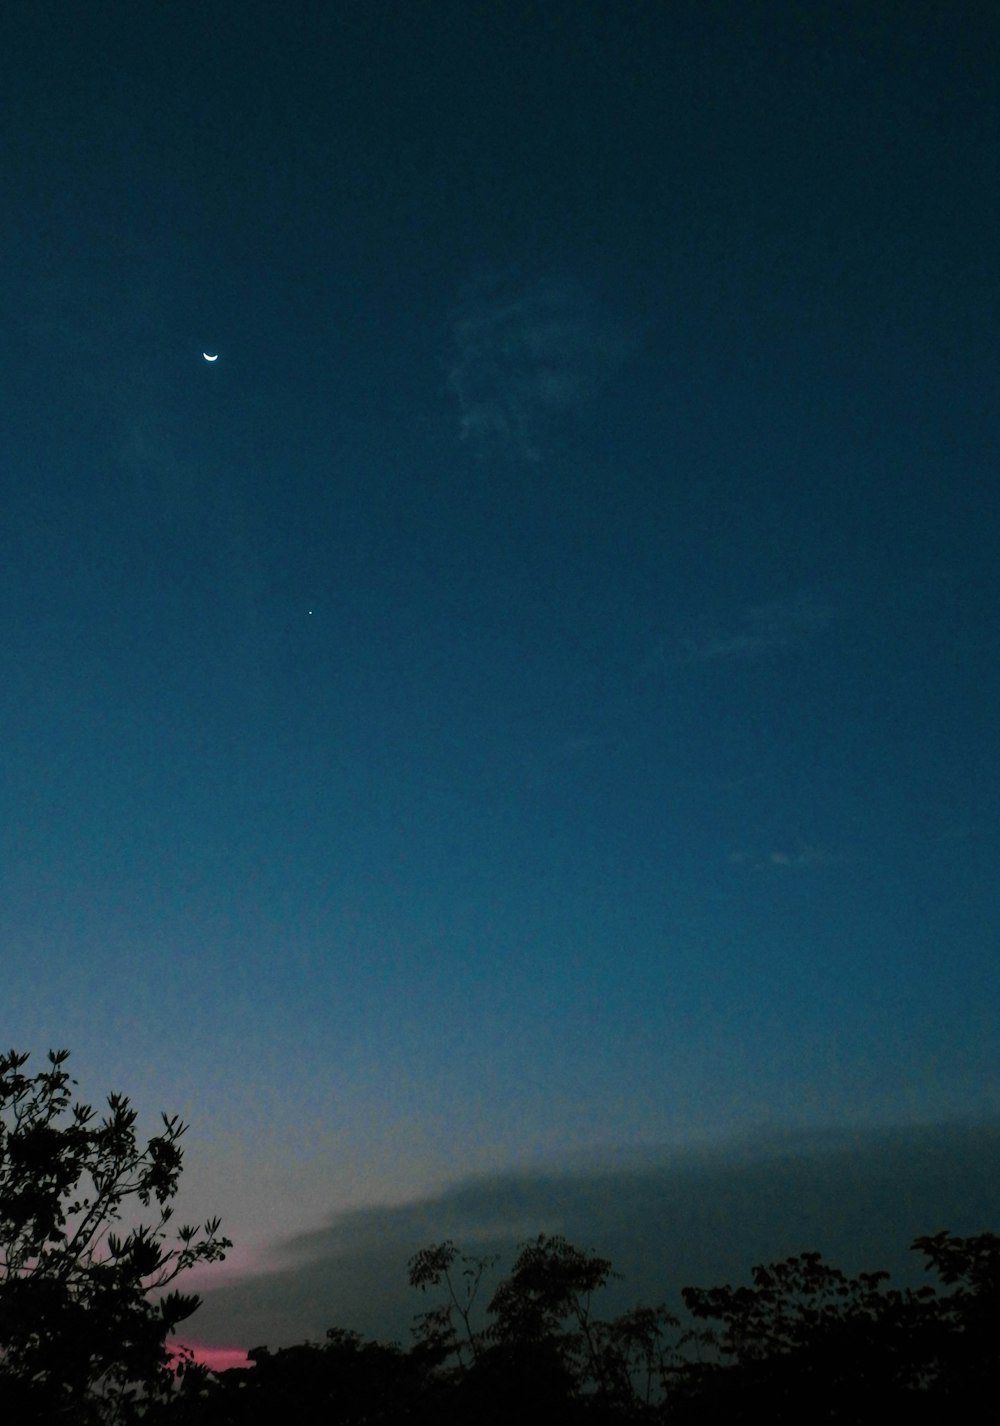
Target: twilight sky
534 696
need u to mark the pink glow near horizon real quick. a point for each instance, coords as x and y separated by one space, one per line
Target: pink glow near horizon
217 1359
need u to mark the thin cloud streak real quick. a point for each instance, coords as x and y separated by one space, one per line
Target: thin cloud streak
764 629
802 856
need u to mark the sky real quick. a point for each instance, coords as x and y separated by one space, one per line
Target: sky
531 702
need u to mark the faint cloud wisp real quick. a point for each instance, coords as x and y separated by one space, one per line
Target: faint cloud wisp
803 856
764 629
523 354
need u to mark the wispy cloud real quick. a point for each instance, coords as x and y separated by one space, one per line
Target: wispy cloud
803 855
524 353
764 629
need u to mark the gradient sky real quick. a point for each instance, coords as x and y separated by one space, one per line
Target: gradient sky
536 693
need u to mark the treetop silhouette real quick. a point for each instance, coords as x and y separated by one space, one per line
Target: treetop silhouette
83 1315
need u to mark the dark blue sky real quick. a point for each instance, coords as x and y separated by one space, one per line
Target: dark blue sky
536 692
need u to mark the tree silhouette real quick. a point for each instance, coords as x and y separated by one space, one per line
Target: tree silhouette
541 1348
436 1330
344 1381
806 1342
81 1340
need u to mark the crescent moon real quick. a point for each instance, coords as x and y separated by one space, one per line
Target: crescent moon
210 358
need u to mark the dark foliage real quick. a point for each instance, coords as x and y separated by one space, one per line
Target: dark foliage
345 1381
803 1342
82 1339
83 1332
